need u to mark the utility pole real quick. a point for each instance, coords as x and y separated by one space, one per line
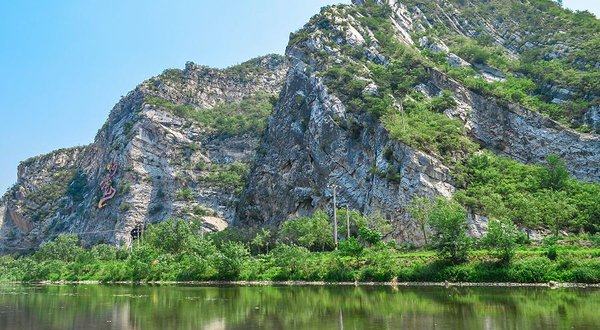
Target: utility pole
335 233
348 221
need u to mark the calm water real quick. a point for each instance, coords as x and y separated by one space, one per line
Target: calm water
236 307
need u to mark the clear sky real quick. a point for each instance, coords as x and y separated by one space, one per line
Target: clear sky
64 64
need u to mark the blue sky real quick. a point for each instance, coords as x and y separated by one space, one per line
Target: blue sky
64 64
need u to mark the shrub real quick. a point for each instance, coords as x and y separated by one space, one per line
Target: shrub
290 260
184 194
531 270
124 207
229 261
351 247
551 252
448 222
502 237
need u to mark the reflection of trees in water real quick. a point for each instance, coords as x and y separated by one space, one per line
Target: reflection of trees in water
234 307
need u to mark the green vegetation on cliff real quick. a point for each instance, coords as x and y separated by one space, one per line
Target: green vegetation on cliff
557 48
554 73
248 116
532 196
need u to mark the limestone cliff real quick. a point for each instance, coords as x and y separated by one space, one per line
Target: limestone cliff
315 139
170 162
197 142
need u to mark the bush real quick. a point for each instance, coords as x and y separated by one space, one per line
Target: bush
531 270
502 237
551 252
291 261
448 222
193 268
351 247
184 194
230 259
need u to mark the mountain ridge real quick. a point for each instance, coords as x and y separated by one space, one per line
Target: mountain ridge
377 97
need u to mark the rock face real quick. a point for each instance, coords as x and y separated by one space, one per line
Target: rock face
297 164
183 151
165 161
308 147
514 131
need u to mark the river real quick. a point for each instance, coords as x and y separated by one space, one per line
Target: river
167 307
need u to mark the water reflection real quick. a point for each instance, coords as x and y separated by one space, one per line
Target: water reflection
234 307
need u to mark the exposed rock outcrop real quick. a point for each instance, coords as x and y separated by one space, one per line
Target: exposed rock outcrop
165 161
306 150
177 157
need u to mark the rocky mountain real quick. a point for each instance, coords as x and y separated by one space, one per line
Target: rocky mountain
351 60
385 99
181 143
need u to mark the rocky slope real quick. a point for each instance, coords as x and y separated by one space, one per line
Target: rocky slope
169 163
311 144
184 141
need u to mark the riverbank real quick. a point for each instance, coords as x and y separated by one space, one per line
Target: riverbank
552 285
211 260
294 266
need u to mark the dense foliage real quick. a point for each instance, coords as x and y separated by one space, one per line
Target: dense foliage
175 250
248 116
532 196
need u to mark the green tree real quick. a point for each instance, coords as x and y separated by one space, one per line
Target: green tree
419 208
172 236
502 237
354 218
351 247
369 235
262 239
557 211
291 259
322 227
556 173
64 248
448 222
297 232
203 247
442 102
229 261
309 232
525 210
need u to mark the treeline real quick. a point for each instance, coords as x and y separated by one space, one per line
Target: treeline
303 249
531 196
